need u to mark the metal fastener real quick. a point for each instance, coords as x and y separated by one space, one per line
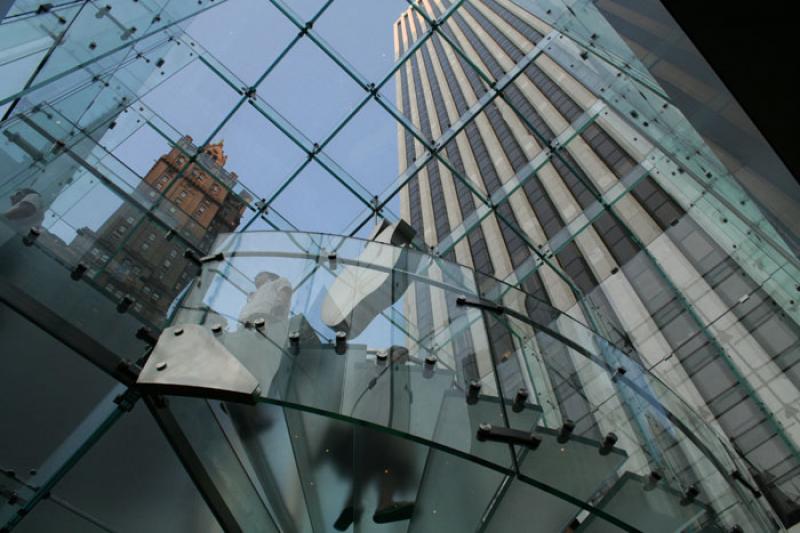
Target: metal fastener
520 400
341 342
473 391
608 444
566 431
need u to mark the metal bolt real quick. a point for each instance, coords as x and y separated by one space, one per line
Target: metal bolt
259 323
519 400
608 444
216 329
124 304
688 497
178 332
652 480
341 342
78 272
161 366
294 342
382 356
566 430
430 364
474 390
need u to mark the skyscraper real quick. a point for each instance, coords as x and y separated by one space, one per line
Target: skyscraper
551 188
591 326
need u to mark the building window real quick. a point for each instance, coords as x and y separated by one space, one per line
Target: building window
167 263
173 253
215 188
181 196
130 220
145 246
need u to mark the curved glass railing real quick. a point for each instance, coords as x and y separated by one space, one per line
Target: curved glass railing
387 376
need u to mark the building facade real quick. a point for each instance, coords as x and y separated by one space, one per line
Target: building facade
525 192
146 260
591 326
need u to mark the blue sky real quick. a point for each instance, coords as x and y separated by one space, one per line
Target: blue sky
307 88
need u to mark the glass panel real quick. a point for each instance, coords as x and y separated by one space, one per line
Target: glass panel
58 406
362 331
54 513
139 491
632 253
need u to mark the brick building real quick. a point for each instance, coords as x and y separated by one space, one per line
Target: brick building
128 254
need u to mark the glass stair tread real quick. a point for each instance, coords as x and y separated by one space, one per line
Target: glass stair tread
657 510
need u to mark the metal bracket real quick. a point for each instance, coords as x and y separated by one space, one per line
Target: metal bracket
192 256
508 435
480 304
189 361
738 476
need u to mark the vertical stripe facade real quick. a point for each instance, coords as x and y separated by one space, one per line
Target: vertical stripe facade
663 287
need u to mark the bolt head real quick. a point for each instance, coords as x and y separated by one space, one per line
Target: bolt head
161 366
216 328
178 332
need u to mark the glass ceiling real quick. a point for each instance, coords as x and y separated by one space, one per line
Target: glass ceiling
302 93
302 97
